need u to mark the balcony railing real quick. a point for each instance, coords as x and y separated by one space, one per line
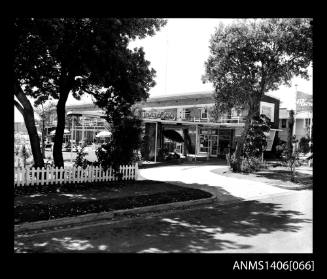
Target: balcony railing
195 119
232 120
235 120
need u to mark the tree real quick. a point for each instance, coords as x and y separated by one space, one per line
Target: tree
44 110
91 55
251 57
32 75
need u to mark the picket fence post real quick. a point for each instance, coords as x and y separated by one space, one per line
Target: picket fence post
136 171
54 175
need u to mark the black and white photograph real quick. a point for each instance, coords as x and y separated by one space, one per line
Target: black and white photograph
164 135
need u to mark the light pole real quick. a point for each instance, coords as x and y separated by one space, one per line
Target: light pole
294 126
71 140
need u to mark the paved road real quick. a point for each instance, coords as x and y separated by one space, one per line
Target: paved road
279 224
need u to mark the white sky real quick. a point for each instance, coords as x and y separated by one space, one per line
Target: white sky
178 52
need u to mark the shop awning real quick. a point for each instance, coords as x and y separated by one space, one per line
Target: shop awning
87 113
173 135
54 132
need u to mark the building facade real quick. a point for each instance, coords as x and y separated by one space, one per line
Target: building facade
192 117
83 123
303 120
182 124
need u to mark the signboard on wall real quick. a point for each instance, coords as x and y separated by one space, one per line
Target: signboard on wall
156 114
238 132
268 109
303 102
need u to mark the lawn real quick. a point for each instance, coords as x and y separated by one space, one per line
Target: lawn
36 203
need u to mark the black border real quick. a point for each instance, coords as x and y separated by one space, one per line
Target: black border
188 263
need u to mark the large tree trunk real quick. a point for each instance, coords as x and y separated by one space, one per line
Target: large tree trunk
58 140
254 110
27 111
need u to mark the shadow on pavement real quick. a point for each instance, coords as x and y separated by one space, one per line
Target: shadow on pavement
211 162
209 228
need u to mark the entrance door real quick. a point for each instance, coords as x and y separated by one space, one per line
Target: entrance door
213 146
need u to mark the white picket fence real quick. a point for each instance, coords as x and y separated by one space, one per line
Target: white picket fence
57 175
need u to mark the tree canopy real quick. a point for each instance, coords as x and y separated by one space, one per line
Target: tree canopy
251 57
85 55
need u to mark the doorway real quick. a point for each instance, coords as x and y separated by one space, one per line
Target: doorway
213 145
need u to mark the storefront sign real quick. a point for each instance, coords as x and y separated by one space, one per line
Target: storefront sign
268 110
208 131
164 115
303 102
238 132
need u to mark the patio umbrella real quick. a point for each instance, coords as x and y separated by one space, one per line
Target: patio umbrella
173 135
54 132
103 134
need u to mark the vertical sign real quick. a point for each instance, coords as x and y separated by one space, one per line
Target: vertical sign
303 102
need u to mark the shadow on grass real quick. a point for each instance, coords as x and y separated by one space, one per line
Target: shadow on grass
210 228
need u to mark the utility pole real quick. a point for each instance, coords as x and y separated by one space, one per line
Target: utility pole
166 62
294 114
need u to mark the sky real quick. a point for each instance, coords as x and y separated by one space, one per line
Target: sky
178 52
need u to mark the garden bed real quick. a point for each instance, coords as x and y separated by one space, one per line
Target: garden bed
36 203
275 176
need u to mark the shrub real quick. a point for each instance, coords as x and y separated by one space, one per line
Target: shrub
251 164
25 154
304 146
254 145
281 145
80 160
121 149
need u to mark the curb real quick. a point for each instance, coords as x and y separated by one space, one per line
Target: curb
107 216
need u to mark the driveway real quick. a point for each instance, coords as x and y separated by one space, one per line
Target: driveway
203 177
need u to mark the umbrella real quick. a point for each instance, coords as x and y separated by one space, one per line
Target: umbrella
173 135
54 132
103 134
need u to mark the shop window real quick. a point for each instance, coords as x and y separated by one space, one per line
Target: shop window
186 113
204 113
283 123
307 122
204 143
